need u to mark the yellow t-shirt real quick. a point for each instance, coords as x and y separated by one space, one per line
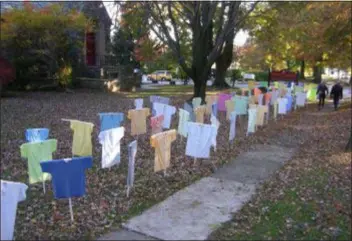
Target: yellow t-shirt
200 111
252 99
82 138
262 109
252 106
138 121
162 144
275 109
210 101
230 106
251 84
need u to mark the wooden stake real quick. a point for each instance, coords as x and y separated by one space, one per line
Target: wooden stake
71 211
44 186
128 191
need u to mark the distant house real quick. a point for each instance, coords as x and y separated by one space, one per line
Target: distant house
94 55
335 73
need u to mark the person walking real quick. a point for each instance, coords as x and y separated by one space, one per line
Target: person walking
336 94
322 89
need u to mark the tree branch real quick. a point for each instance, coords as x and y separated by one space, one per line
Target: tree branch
174 45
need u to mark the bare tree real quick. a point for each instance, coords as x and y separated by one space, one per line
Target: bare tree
165 21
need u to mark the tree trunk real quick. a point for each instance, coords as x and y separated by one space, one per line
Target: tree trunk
199 88
303 68
223 62
220 74
317 72
126 78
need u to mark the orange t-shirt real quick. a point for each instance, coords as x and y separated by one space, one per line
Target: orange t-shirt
138 120
162 144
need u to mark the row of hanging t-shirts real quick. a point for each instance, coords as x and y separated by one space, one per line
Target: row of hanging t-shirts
68 174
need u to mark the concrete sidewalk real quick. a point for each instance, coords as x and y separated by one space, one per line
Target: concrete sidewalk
197 210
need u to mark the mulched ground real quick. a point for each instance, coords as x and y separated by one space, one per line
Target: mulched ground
105 204
310 197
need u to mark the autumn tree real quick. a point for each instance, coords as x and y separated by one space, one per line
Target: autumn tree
309 32
43 40
167 21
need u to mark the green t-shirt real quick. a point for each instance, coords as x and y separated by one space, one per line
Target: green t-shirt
36 152
263 84
312 94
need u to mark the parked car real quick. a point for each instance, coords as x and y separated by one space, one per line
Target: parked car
160 75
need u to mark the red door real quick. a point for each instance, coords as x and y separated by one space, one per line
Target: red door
90 48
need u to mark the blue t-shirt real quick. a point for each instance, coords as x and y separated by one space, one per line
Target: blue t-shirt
68 177
289 102
37 134
214 109
110 120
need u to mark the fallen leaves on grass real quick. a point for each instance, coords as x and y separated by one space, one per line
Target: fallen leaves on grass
105 204
309 197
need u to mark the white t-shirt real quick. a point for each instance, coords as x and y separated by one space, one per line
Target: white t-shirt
11 194
260 99
132 151
232 133
110 140
166 110
301 99
274 96
138 103
200 138
252 117
282 102
214 121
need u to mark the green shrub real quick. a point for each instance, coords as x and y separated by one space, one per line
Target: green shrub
261 76
64 76
234 73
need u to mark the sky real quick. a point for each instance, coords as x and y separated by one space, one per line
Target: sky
240 38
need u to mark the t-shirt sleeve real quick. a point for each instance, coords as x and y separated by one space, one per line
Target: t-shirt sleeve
121 117
173 110
87 162
121 133
91 126
47 166
53 145
173 135
147 112
152 141
101 137
73 125
23 150
22 188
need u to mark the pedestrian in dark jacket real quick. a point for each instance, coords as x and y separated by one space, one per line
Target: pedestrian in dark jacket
322 89
336 94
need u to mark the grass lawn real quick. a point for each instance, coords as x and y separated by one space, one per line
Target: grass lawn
105 205
309 198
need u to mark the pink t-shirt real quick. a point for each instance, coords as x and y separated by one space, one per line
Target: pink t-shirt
221 101
156 122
